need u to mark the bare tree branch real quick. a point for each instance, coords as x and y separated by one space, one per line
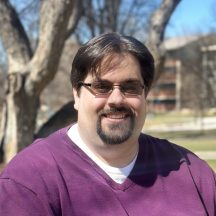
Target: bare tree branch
89 16
54 20
128 16
75 17
14 37
158 22
112 11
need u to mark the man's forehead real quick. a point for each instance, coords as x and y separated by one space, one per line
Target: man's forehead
110 67
112 62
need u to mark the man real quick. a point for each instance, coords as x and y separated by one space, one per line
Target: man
103 165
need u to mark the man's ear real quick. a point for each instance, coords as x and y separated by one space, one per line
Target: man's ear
76 99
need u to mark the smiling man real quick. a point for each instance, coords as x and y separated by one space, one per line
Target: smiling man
103 164
111 104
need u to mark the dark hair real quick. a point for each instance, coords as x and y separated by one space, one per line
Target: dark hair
89 57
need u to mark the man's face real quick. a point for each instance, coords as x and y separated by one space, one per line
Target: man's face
115 118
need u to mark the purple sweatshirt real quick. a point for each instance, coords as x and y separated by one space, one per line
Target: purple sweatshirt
54 177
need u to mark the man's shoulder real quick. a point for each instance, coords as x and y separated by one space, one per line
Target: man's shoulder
167 151
41 147
163 145
35 159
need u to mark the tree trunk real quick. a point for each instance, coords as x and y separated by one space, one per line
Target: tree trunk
29 73
21 112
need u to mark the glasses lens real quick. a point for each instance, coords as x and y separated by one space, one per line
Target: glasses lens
132 88
101 87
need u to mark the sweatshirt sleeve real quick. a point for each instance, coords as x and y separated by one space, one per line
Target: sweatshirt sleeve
205 181
16 199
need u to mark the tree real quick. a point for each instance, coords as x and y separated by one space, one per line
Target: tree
122 16
125 17
29 71
158 23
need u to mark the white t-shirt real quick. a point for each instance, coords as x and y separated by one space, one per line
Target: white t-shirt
117 174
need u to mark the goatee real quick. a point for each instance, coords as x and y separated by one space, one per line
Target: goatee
116 133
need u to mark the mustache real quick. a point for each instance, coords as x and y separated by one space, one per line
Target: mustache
126 110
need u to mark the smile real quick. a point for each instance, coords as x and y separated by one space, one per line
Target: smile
116 115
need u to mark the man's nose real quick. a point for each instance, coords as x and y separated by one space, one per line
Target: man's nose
116 97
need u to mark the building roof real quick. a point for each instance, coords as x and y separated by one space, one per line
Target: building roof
208 48
177 42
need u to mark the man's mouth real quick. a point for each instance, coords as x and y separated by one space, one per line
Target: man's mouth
116 115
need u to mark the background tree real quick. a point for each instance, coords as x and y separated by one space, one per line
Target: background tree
31 69
128 17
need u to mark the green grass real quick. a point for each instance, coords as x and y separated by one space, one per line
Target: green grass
197 143
212 164
192 140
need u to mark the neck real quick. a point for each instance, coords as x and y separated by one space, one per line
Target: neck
118 155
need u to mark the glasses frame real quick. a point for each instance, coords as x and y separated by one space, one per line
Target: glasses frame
88 86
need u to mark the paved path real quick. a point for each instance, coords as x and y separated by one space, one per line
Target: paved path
206 123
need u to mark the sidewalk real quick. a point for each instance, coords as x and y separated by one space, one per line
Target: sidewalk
206 123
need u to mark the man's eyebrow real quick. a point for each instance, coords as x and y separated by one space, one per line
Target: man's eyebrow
98 79
131 80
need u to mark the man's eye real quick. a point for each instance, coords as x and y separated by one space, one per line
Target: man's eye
130 88
101 87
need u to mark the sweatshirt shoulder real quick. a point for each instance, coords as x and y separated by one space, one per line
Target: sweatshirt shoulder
168 150
35 159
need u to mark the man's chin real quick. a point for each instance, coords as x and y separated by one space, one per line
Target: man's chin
115 133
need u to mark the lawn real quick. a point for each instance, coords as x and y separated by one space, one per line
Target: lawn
212 163
192 140
197 143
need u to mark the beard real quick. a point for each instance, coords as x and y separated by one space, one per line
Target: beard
115 132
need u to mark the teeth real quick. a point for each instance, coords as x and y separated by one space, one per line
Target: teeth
114 116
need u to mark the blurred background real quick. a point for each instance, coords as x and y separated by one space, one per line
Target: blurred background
39 38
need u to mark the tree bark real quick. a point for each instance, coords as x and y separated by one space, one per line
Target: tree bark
158 23
28 73
21 112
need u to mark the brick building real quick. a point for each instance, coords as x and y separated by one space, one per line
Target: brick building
189 76
165 94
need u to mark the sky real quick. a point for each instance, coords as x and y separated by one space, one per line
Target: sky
191 17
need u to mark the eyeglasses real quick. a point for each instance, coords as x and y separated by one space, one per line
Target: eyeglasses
105 88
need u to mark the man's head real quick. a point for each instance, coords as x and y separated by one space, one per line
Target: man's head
90 56
111 76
